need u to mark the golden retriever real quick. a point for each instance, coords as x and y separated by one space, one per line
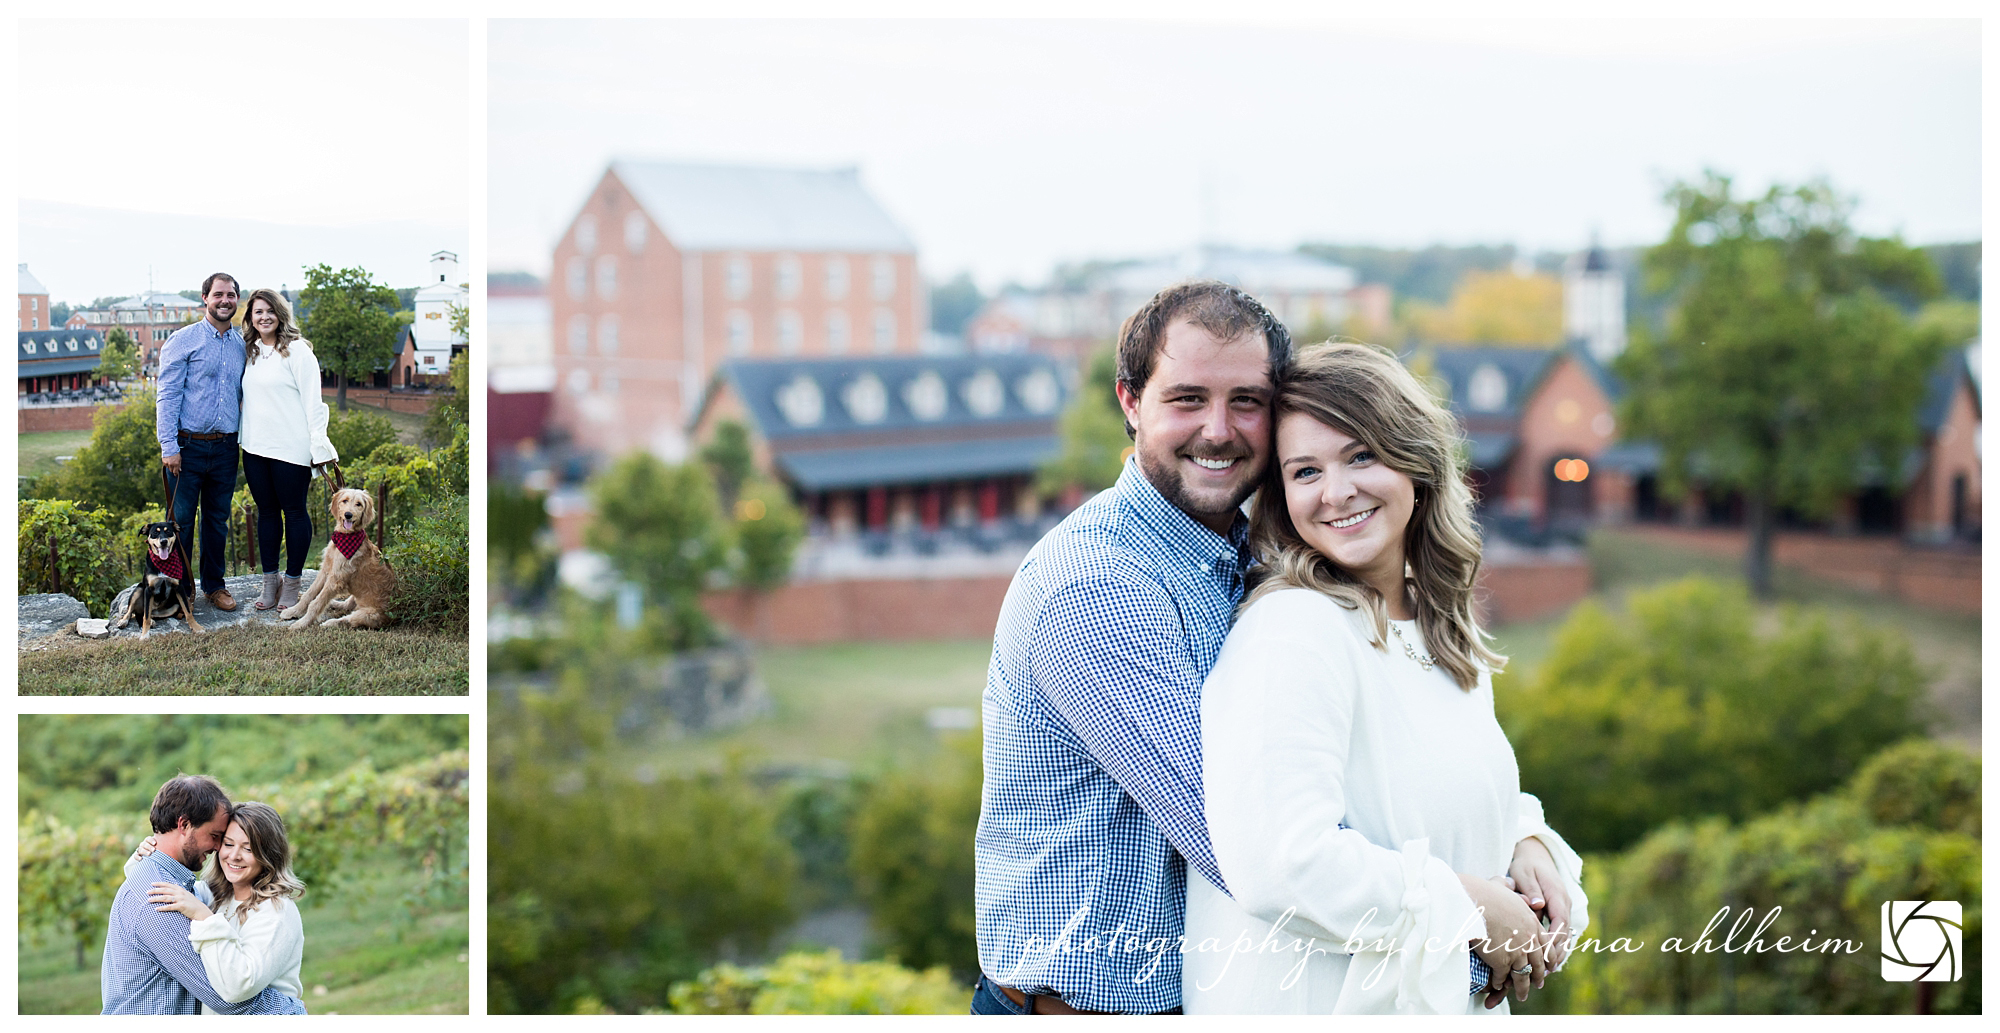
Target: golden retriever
358 586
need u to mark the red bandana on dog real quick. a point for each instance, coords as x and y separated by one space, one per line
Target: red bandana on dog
171 566
349 542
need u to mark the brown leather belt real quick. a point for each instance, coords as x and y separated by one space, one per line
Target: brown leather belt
1043 1005
204 437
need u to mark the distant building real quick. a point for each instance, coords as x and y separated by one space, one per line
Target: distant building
913 446
1068 320
425 348
669 270
34 303
520 367
1594 304
1938 498
57 360
150 318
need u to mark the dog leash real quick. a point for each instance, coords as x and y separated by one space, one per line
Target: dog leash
166 489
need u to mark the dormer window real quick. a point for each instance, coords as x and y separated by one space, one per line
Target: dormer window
1487 390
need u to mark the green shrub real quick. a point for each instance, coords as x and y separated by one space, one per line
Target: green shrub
429 557
1828 863
662 528
769 529
820 983
119 470
912 858
64 548
1681 709
357 433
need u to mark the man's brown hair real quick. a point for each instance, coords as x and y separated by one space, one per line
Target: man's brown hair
1219 308
194 797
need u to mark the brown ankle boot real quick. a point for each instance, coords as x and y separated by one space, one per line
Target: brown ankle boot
288 596
269 596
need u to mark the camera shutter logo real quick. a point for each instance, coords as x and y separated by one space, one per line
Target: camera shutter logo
1923 941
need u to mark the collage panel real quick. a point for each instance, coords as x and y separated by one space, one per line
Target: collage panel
1048 517
243 864
243 373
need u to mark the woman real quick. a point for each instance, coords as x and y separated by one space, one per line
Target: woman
1363 802
283 434
253 938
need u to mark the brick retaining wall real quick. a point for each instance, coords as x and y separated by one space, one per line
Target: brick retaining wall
1943 577
40 418
382 398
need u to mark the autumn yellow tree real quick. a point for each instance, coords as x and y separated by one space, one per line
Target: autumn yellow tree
1493 308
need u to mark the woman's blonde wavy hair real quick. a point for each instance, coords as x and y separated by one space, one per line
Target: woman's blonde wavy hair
287 333
1365 393
266 832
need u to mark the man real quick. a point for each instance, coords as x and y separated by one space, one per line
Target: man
195 417
1091 812
150 968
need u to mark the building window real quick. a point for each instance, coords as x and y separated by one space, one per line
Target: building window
1487 390
586 234
579 381
737 277
791 332
885 331
607 334
635 232
836 332
885 277
790 277
578 275
610 384
607 277
34 322
739 332
836 277
579 334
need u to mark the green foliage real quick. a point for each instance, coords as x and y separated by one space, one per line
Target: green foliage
729 459
662 528
820 983
67 549
1828 864
119 471
954 304
1788 366
769 529
68 877
1093 434
513 518
912 859
1681 709
452 411
1919 783
120 358
357 433
351 321
430 558
674 867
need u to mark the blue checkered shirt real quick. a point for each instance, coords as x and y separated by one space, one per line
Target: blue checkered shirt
1091 811
201 384
150 968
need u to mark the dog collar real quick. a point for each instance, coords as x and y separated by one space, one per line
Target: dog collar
171 566
349 542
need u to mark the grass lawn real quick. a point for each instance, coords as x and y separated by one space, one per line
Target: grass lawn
252 661
864 704
409 426
363 957
39 451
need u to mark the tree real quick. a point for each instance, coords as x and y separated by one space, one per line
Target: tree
730 459
1093 434
452 411
769 528
351 321
662 528
954 304
1788 370
59 313
119 471
120 358
1495 308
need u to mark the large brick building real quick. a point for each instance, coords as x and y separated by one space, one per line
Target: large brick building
668 270
150 319
34 303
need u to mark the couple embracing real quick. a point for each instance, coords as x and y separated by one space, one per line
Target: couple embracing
229 943
221 389
1250 764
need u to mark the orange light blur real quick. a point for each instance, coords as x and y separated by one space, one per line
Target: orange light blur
1571 470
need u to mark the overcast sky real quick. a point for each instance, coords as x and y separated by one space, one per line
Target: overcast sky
1005 147
176 148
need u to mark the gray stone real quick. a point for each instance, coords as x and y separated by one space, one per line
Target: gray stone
45 614
244 587
93 627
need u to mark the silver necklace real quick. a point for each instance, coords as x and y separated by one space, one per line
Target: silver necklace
1424 660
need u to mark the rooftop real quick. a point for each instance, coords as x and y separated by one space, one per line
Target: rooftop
722 207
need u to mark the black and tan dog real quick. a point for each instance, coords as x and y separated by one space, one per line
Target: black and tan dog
167 587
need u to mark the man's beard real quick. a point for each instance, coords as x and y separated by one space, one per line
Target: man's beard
190 858
216 313
1173 487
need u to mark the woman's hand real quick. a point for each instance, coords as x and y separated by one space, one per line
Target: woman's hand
147 846
170 897
1513 943
1536 879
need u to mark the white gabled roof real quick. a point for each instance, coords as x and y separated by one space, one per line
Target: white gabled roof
721 207
30 285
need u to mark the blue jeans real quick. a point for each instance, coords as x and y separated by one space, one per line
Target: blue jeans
208 477
988 1000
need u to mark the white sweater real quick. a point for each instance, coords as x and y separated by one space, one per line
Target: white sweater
264 950
1306 725
284 414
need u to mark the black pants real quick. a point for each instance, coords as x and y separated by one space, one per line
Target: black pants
280 491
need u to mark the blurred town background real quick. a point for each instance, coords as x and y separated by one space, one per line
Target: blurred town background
761 470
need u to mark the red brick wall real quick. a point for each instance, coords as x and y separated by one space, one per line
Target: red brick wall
59 417
1559 420
1953 452
813 612
34 311
1947 579
381 398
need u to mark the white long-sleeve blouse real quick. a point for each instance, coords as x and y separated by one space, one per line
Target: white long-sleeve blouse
1307 726
284 414
266 949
